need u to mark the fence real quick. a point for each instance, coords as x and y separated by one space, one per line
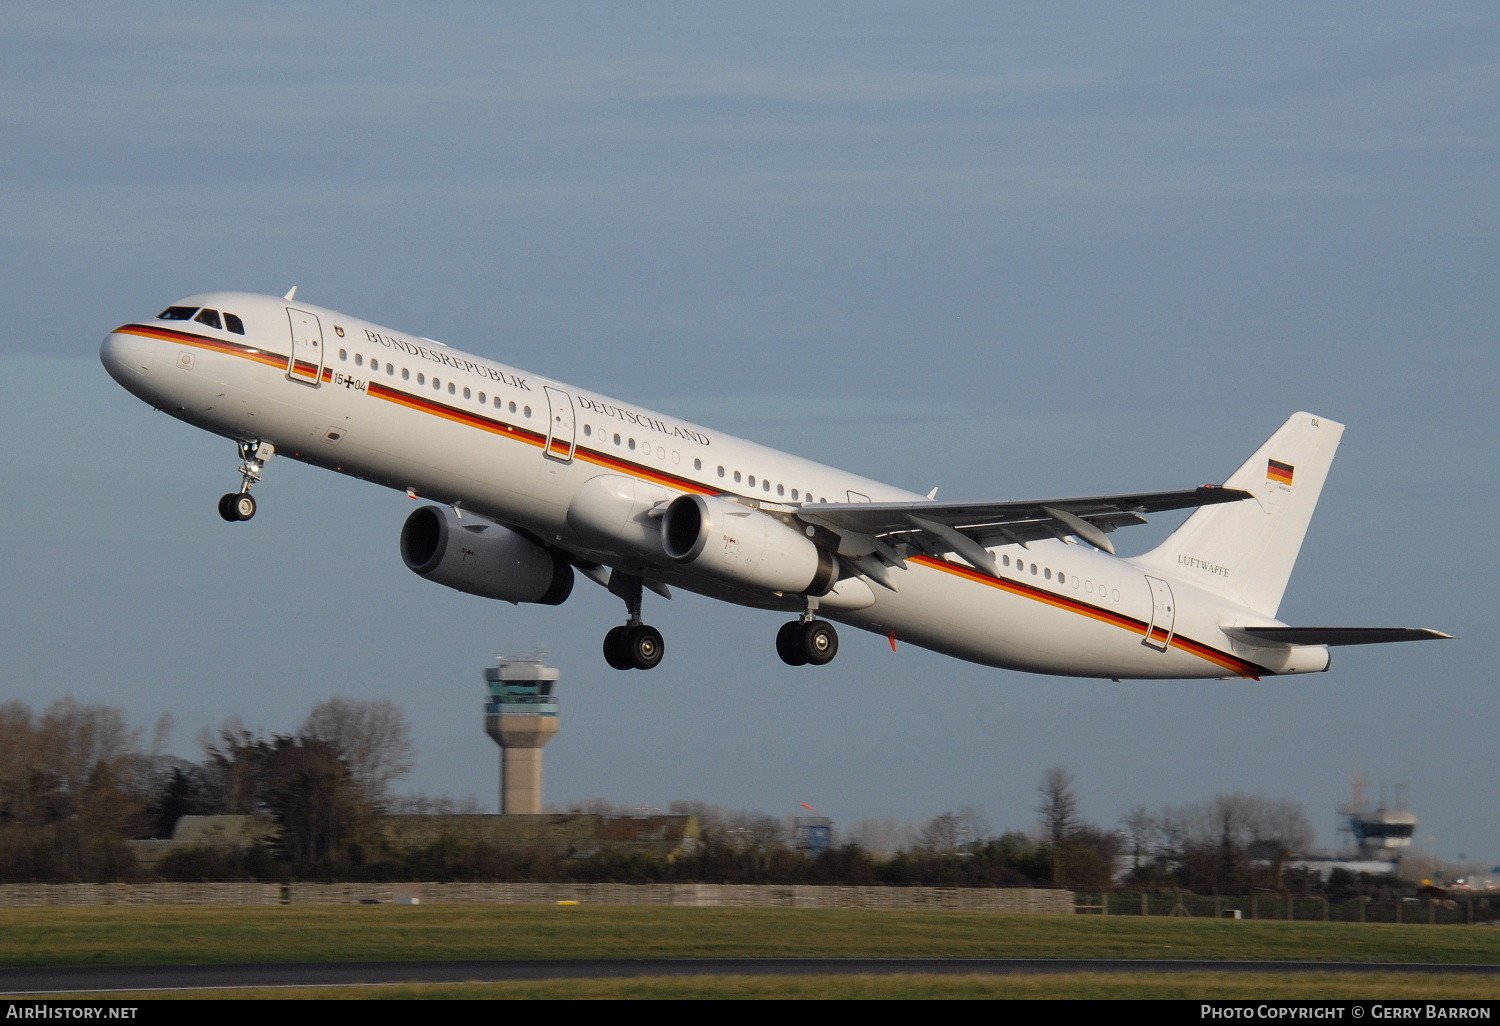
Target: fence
1018 899
1278 906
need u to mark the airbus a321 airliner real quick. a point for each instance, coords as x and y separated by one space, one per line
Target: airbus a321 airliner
536 481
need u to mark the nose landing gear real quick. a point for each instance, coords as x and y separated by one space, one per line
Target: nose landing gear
254 455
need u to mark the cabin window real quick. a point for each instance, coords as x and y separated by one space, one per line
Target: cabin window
781 489
1033 569
765 485
512 407
452 388
587 431
437 385
526 410
467 393
752 480
405 374
736 477
1060 578
617 438
177 313
631 444
697 464
344 355
482 399
359 359
794 495
390 368
234 324
1047 573
1005 561
421 378
721 471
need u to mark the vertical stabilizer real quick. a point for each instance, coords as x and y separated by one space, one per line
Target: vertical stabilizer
1246 550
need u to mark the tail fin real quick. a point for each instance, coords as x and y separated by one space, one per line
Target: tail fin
1246 550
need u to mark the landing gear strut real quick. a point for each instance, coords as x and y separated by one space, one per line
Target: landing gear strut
635 645
254 455
807 640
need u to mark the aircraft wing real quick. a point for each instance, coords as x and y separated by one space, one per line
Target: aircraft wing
876 528
1333 635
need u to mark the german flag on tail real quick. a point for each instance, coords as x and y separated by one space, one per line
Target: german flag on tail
1279 472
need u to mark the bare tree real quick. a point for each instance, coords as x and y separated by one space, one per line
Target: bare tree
1145 833
883 837
953 831
1058 809
371 737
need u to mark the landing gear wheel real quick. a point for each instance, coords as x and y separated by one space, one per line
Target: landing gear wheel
237 506
820 642
644 646
789 644
615 653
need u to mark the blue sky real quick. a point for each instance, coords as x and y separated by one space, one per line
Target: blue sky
1011 250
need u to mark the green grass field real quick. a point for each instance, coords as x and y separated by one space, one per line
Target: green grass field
137 935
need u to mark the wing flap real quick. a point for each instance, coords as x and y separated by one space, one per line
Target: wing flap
1002 523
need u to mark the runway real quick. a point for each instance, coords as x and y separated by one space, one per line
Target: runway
113 979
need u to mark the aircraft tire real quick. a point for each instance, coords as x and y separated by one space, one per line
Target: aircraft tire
225 509
644 646
615 651
789 644
243 505
820 642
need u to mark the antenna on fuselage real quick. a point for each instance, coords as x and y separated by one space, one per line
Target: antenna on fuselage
292 294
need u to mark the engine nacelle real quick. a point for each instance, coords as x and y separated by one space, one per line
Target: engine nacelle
745 546
481 557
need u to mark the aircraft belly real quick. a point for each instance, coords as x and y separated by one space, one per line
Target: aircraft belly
1041 632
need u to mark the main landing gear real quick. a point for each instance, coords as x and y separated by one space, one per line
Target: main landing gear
239 505
807 640
634 645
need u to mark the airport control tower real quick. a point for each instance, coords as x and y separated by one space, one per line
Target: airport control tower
521 715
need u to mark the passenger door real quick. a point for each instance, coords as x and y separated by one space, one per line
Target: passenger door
306 363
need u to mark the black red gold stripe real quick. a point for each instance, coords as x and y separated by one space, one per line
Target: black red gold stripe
1279 472
530 437
240 349
1232 663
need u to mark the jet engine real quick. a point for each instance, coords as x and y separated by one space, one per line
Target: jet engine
744 546
481 557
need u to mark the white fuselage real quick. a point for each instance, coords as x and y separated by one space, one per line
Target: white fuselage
532 453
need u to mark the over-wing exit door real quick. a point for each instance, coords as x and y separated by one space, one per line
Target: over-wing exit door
560 424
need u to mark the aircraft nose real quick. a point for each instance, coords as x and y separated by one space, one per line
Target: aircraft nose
130 359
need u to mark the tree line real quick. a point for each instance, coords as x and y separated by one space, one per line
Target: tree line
77 782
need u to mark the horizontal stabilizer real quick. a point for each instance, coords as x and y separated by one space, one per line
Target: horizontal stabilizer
1333 635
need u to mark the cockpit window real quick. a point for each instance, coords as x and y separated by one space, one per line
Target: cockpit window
234 324
177 313
209 317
